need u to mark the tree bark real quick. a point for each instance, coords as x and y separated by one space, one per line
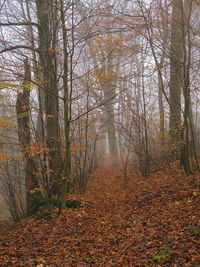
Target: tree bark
24 132
47 52
176 56
67 112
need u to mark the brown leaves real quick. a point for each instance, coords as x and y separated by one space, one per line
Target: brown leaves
35 148
148 223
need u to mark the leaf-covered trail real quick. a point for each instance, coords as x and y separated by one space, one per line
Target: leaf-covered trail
150 222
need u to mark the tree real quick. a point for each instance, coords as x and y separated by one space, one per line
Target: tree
47 33
24 133
176 57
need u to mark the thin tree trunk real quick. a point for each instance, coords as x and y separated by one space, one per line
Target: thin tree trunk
67 163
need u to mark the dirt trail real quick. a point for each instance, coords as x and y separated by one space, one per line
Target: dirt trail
148 222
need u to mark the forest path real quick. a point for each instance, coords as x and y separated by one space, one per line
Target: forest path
148 222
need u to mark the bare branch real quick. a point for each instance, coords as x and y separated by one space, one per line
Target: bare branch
23 23
17 47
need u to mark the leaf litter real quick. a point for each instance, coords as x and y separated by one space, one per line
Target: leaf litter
145 222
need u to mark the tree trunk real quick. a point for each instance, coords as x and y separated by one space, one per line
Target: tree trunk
47 52
176 55
187 118
161 112
24 132
67 112
110 124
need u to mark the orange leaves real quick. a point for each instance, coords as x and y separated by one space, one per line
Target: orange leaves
34 149
117 226
114 44
53 50
7 156
40 262
7 123
110 42
78 149
49 116
4 123
107 44
102 76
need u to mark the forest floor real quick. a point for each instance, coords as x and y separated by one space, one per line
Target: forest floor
153 222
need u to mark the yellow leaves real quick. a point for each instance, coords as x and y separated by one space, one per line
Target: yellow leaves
82 214
188 199
21 115
195 193
41 83
35 190
193 196
6 84
2 96
40 262
5 122
28 86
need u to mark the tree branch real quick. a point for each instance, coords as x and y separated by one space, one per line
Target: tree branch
17 47
23 23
